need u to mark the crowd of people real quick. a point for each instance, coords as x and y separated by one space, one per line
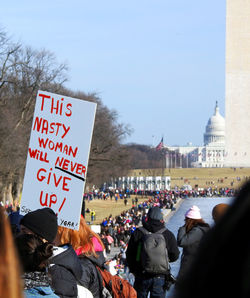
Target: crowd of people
117 230
114 194
41 259
120 231
59 262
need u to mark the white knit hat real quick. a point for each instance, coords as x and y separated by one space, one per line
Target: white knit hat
193 212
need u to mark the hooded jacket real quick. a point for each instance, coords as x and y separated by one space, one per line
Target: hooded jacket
190 243
66 271
152 226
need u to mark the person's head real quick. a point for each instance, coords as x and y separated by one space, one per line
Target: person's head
41 222
10 281
193 213
154 213
193 218
81 239
218 211
15 218
33 252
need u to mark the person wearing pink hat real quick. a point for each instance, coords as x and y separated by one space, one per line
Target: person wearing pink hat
189 237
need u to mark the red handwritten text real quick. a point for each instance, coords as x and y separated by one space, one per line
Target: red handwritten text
49 200
43 126
49 177
56 106
57 146
68 165
39 155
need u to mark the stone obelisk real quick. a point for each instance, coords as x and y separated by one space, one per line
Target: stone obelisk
237 150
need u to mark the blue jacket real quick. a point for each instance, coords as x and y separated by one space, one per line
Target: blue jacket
40 292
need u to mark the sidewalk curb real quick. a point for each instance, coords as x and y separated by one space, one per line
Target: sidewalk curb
176 206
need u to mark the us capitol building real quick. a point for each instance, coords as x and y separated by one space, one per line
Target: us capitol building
210 155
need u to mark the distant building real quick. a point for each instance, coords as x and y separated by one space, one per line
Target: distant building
210 155
237 87
142 183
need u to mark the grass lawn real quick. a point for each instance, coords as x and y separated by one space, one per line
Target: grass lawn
105 208
203 177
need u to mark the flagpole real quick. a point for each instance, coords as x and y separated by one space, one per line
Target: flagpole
163 159
162 170
169 158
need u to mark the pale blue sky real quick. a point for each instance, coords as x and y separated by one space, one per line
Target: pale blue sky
160 64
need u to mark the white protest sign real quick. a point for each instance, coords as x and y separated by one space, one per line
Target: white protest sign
56 166
96 229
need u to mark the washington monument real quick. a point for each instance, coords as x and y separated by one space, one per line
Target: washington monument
237 152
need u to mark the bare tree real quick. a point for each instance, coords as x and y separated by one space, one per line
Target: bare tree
108 156
7 50
24 71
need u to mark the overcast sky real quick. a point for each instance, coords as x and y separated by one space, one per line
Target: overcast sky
160 64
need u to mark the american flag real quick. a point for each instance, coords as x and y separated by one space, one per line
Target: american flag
160 145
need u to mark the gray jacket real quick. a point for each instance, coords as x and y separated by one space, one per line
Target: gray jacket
190 243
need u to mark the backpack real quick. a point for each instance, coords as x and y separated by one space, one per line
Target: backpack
114 286
153 254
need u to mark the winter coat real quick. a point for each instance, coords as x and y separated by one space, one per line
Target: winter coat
136 237
190 243
90 275
66 271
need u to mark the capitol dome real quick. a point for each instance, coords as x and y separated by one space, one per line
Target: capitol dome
215 129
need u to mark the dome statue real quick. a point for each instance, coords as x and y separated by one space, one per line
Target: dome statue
215 129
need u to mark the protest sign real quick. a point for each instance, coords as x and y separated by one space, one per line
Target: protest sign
96 229
56 166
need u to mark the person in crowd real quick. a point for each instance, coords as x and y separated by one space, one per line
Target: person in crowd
42 222
145 282
10 281
90 250
92 214
65 267
189 237
105 243
218 211
34 256
222 265
15 218
123 260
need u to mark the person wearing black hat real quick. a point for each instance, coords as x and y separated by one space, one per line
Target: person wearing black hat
150 282
41 222
65 268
